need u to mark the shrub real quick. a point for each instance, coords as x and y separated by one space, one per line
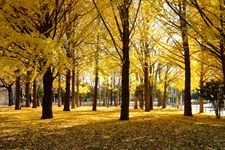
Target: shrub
214 91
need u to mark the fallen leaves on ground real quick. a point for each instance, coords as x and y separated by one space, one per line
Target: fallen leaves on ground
82 128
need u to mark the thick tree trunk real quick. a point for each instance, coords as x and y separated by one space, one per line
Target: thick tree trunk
73 89
35 100
67 96
124 115
184 32
18 94
222 38
47 99
27 93
59 91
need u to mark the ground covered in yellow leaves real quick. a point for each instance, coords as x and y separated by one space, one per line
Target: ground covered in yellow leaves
83 129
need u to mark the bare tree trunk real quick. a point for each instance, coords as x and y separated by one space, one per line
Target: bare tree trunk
77 100
47 99
18 94
146 88
184 32
104 96
67 96
94 108
73 89
124 11
10 94
27 93
164 94
59 91
35 94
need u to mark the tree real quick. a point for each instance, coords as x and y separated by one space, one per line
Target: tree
8 85
213 91
123 27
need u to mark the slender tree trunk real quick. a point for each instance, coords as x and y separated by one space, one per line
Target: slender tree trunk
67 96
146 88
164 95
104 96
124 11
141 94
77 99
38 94
59 91
27 93
47 99
18 94
94 108
201 99
35 100
10 95
73 89
184 32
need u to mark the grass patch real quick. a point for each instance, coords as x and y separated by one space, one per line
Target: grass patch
83 129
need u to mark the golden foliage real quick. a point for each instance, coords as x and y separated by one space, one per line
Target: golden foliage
84 129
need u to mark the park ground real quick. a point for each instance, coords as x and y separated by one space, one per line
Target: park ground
83 129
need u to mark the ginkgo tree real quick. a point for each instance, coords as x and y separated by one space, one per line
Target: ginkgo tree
120 11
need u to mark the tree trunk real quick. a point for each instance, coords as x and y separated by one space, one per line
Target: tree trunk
146 88
59 91
47 99
27 93
77 99
10 94
38 94
201 99
73 89
104 96
94 108
222 38
124 12
35 94
18 94
164 95
184 32
67 96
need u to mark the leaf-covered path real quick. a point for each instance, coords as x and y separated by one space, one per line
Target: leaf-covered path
83 129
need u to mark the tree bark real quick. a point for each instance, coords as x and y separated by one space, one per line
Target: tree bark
94 108
73 89
59 91
184 32
222 38
124 11
18 94
10 94
35 94
47 99
27 93
77 99
164 94
67 96
146 88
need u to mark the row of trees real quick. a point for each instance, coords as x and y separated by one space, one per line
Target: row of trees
155 43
